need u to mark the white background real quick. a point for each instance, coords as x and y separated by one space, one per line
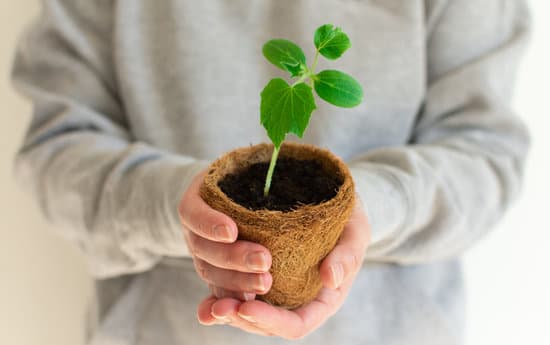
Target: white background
44 288
508 272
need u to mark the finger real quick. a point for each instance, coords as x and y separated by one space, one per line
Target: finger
203 220
240 256
295 324
238 295
258 283
225 310
204 316
292 324
344 261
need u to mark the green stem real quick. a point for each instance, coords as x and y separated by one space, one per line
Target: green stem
270 171
314 65
301 79
310 73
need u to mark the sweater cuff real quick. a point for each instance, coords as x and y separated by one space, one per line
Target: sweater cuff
385 201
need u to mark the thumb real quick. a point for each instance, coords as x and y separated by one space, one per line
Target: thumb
346 258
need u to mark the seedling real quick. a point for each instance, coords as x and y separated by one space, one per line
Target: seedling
287 108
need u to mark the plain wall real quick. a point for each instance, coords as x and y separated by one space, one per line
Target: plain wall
45 289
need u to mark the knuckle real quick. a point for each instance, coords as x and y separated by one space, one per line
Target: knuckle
192 215
192 243
353 263
227 257
181 209
233 256
236 257
200 228
201 270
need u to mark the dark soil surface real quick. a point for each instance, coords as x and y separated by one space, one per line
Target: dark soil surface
295 182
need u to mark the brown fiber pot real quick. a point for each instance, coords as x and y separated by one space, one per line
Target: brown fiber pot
299 239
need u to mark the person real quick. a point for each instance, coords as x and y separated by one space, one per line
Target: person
134 99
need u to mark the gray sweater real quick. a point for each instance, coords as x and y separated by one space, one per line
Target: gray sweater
133 97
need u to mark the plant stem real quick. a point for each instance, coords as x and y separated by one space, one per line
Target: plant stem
310 73
301 79
270 171
314 65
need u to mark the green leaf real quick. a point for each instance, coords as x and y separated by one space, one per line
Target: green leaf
286 55
331 42
285 109
338 88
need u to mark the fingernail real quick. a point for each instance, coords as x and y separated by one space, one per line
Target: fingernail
257 261
337 274
246 317
221 318
260 284
209 323
222 232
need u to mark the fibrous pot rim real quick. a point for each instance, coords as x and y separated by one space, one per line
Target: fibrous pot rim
235 160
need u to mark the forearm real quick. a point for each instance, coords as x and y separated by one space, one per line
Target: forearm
433 198
114 196
117 199
431 202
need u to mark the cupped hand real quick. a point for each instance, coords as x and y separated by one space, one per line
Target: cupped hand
231 267
338 271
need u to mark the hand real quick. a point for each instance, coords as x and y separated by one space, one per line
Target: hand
232 268
338 271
